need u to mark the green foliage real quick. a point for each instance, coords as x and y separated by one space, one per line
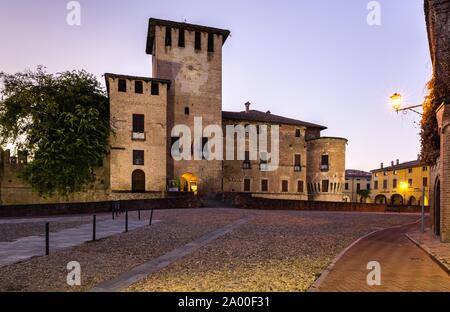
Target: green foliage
430 142
61 121
364 193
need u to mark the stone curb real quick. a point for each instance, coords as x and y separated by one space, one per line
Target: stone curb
315 286
435 258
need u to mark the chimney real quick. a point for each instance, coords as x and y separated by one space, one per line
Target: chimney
392 163
381 165
247 107
398 162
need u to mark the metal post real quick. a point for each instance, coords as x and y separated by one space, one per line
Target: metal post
112 210
139 214
422 225
126 221
151 217
94 224
47 238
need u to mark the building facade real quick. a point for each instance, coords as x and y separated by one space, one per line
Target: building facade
401 183
187 88
357 187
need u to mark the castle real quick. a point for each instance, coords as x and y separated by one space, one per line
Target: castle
187 84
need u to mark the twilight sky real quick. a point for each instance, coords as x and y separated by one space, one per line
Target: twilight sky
318 61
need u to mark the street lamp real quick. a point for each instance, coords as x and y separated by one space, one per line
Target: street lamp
396 100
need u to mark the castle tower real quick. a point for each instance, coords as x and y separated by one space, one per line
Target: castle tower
190 56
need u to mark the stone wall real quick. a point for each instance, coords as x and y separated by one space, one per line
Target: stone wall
196 85
334 174
173 202
154 108
290 145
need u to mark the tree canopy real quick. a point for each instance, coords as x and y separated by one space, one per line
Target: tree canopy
61 121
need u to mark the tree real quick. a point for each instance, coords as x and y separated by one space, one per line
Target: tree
61 121
437 15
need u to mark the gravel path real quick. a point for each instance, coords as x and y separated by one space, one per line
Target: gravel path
276 251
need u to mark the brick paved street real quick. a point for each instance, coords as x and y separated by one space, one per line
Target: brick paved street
404 266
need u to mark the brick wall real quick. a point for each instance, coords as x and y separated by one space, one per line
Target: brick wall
247 201
173 202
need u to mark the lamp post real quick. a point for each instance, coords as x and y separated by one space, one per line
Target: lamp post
396 100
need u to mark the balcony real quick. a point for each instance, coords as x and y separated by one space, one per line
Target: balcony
246 165
138 136
264 167
324 167
297 168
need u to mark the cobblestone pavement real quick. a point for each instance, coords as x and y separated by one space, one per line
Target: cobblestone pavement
404 266
432 244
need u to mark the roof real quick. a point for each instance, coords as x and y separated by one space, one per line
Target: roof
191 27
352 173
255 115
405 165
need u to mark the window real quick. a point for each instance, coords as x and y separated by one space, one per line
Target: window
425 182
385 184
375 185
324 163
122 85
264 185
395 172
168 36
300 186
155 88
284 186
246 185
210 42
138 123
175 146
198 40
204 150
138 158
394 183
425 168
410 182
297 133
346 186
186 110
358 187
297 163
368 186
138 87
181 38
325 186
247 164
410 170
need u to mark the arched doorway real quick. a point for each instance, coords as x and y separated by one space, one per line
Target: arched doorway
437 208
189 183
380 199
396 200
412 201
138 181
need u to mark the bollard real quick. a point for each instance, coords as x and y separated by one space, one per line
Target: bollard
94 224
151 217
47 238
126 221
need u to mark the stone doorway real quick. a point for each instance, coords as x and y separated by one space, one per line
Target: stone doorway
138 181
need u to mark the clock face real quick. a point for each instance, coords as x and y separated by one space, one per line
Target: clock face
191 69
192 74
